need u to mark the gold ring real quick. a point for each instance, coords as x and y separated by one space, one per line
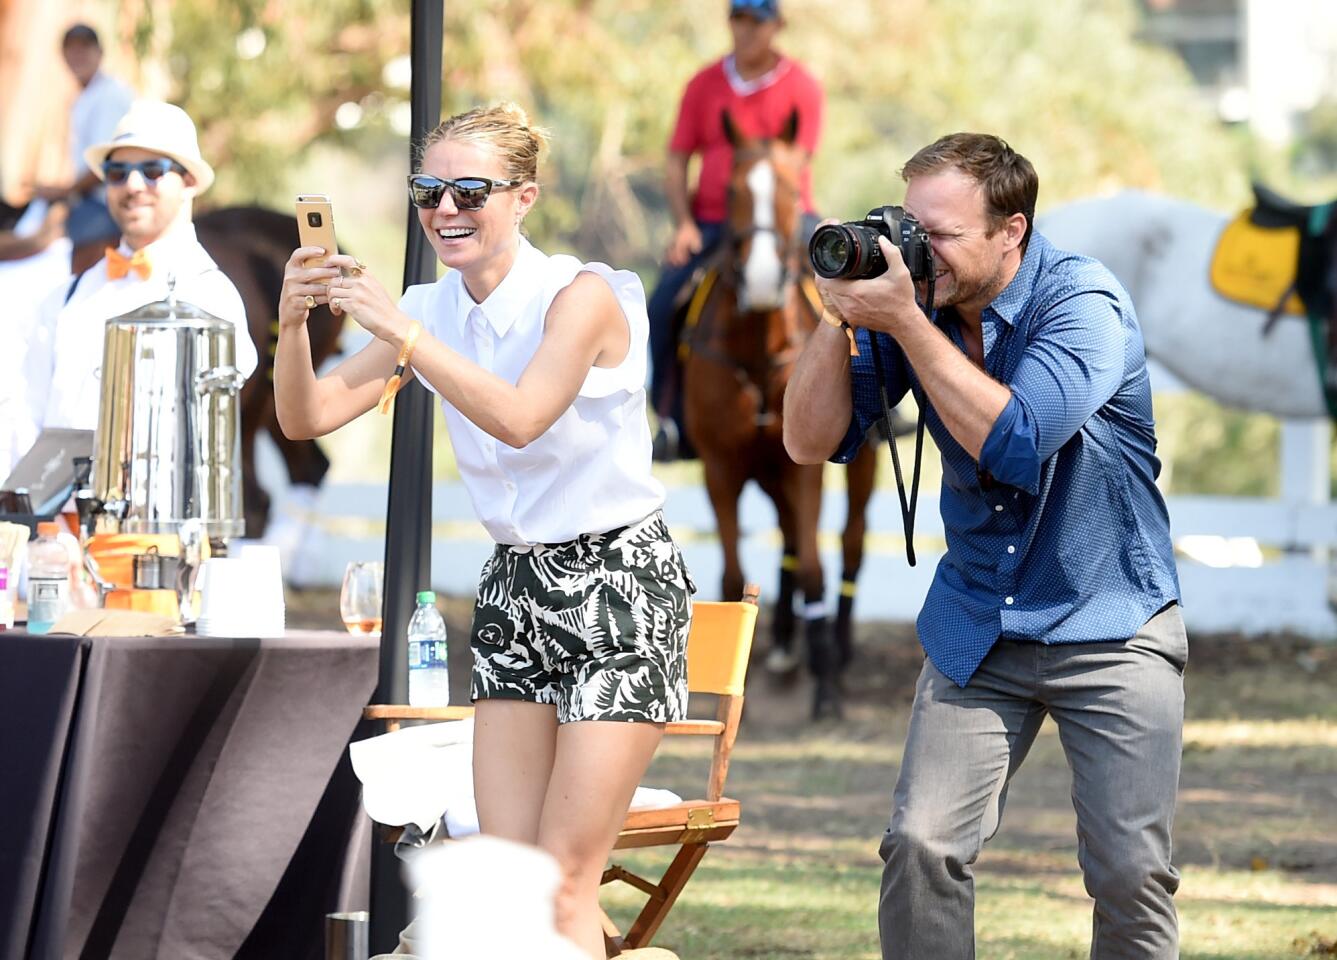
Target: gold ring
310 301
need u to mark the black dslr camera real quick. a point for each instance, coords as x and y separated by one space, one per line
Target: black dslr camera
849 251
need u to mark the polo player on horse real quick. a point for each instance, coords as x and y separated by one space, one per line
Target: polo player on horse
760 88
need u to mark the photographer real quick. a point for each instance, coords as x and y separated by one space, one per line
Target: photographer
1058 593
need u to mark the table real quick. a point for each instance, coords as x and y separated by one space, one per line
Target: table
179 797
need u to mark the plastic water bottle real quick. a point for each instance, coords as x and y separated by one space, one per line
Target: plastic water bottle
429 677
48 579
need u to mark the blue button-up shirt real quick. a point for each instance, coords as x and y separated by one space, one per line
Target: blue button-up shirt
1071 542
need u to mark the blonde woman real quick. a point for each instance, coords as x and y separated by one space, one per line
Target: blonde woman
580 625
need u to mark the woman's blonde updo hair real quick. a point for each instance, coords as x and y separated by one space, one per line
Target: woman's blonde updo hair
503 127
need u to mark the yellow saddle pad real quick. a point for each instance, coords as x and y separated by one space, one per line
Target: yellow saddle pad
694 309
1256 266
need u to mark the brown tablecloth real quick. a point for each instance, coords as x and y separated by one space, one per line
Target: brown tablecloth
182 797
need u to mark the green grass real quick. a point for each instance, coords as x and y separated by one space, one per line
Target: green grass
1256 830
820 904
756 903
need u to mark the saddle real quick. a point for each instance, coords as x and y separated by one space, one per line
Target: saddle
1281 256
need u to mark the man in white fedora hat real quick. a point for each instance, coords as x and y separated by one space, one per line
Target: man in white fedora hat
153 171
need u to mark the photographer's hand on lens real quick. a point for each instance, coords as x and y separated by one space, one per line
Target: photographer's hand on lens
303 287
361 296
885 303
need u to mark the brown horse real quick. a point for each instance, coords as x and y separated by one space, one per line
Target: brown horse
745 328
251 245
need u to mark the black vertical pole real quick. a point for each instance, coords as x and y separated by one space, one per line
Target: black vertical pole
408 532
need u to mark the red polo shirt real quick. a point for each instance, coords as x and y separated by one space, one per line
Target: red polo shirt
759 109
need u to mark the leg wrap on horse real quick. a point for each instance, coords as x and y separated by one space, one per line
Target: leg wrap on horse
823 662
845 618
784 602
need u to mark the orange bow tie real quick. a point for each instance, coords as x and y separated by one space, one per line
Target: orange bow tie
118 264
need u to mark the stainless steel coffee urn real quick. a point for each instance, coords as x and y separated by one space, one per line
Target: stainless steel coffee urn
168 442
167 451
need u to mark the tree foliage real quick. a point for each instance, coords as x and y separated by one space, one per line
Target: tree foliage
264 79
1066 82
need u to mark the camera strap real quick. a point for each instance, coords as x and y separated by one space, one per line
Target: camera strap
908 505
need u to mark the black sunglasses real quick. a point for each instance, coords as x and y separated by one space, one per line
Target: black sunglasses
468 193
118 171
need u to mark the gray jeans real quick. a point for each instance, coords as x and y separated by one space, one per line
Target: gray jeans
1119 708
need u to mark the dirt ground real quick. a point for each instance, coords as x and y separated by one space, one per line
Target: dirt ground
1257 818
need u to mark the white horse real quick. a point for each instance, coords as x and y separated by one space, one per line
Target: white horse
1160 248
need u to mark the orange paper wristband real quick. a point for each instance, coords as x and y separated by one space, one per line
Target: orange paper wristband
832 320
396 381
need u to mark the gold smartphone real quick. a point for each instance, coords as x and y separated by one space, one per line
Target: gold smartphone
315 226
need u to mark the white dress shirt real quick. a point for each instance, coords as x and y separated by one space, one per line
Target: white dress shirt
590 471
64 365
93 118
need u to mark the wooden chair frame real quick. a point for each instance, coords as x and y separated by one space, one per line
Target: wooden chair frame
717 653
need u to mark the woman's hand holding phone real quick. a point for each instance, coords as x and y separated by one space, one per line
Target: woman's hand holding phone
361 296
304 286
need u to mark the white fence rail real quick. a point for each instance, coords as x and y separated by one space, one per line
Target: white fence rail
1284 588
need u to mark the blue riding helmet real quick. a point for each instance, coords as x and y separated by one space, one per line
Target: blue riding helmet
761 9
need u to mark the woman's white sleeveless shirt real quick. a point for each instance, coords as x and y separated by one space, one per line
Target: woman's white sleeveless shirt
590 471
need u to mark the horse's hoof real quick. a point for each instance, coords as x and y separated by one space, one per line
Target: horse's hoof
827 706
844 654
780 661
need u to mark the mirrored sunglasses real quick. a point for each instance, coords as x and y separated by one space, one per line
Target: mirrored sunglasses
118 171
467 193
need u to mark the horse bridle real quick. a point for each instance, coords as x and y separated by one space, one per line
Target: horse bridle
782 242
725 263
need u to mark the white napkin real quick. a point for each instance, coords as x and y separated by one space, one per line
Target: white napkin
414 774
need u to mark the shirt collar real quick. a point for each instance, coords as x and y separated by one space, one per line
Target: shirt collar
507 301
167 248
745 88
171 251
1008 304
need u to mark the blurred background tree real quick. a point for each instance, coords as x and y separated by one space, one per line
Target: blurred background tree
312 96
267 81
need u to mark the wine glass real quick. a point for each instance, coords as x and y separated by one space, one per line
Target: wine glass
360 598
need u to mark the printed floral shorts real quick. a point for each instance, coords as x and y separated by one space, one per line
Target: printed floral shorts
596 626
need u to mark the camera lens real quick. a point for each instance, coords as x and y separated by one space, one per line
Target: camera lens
313 218
833 249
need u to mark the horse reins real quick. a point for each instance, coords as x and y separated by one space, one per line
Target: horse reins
720 269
